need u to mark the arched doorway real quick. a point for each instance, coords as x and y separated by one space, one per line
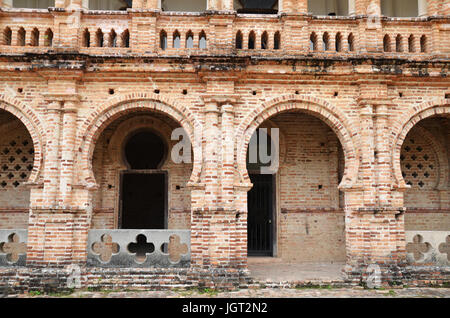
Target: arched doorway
139 185
143 187
297 199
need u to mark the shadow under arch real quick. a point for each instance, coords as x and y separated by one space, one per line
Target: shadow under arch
423 111
33 124
316 107
126 104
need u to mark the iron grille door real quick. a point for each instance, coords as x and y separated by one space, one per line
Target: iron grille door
260 215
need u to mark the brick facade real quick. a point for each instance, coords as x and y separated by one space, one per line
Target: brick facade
362 109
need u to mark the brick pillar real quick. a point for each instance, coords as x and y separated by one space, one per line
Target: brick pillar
374 224
51 165
69 129
218 227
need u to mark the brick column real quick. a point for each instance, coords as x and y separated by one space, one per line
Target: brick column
69 129
51 162
374 225
218 228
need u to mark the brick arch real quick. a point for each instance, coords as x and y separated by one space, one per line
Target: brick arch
34 126
316 107
415 115
120 105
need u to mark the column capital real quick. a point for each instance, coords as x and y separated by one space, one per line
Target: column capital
225 99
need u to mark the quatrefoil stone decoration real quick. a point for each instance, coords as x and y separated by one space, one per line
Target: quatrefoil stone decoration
417 247
106 248
176 249
141 248
13 248
444 248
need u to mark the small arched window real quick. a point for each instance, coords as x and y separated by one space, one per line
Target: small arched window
163 40
239 40
386 43
277 40
48 40
99 38
125 38
35 37
86 38
423 44
7 36
338 42
251 40
264 41
399 43
190 40
351 42
176 43
313 42
21 37
411 44
326 41
112 38
202 41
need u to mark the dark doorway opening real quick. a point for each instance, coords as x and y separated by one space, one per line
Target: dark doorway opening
260 227
143 200
143 188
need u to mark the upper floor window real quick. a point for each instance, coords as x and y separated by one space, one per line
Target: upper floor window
256 6
400 8
109 4
183 5
328 7
33 4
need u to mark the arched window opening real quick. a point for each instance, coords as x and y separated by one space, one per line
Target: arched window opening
277 41
21 37
86 38
399 43
351 42
411 44
7 36
313 42
48 38
202 41
251 40
176 44
34 37
163 40
99 38
264 41
145 150
190 40
423 44
112 38
387 43
239 40
338 42
326 41
126 38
